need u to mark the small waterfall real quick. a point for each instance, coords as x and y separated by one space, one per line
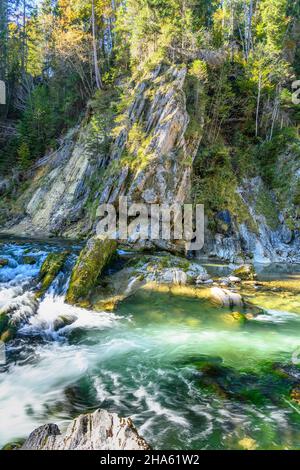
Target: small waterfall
54 318
17 278
18 281
49 318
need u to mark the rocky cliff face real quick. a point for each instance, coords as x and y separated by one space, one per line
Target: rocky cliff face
60 187
151 146
150 159
271 238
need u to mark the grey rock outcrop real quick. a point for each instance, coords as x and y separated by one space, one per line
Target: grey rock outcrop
96 431
226 298
59 189
156 120
166 270
268 237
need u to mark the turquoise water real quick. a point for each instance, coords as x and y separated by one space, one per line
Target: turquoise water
189 374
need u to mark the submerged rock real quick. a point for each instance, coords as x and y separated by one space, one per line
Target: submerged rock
281 285
238 316
90 264
96 431
259 386
63 320
29 260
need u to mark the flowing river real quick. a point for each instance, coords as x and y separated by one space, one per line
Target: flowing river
188 374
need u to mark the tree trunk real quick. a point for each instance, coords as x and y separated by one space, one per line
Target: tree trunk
95 55
248 28
3 39
23 38
275 112
258 104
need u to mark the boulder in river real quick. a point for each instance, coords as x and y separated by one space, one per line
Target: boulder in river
245 272
52 265
141 272
90 264
169 269
295 394
233 279
203 278
29 260
7 328
226 298
174 276
63 320
100 430
3 262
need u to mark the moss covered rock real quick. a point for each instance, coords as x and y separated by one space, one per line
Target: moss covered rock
246 272
238 316
7 329
3 322
29 260
260 386
50 269
13 445
3 262
90 264
295 394
247 443
169 269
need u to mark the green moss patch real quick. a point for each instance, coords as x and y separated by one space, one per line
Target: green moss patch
52 265
91 262
7 329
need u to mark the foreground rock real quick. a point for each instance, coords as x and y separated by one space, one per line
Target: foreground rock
91 262
96 431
